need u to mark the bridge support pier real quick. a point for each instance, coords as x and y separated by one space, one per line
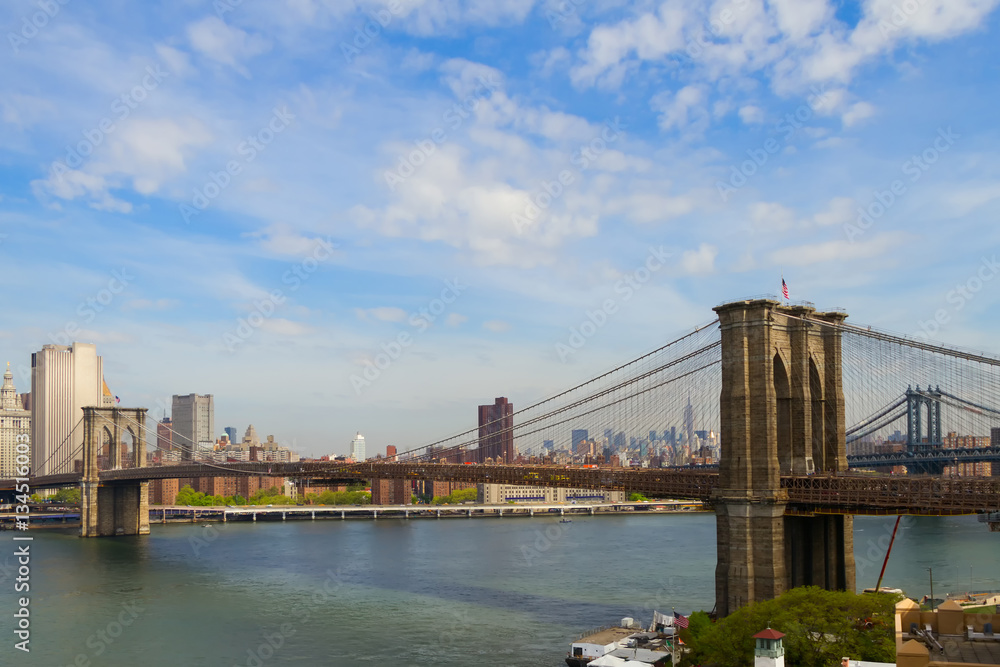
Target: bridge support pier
111 510
121 508
782 409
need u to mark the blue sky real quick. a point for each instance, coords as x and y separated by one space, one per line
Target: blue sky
257 199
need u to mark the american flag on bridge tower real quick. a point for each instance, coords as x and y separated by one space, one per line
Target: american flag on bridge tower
784 288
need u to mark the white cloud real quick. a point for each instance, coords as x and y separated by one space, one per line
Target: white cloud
282 239
382 314
24 111
284 327
454 319
650 36
839 211
700 261
839 250
432 17
146 151
751 115
496 326
683 109
150 304
771 217
226 44
857 113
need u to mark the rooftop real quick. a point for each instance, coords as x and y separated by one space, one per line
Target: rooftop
606 636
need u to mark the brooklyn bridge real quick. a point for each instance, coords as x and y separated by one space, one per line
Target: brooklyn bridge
787 388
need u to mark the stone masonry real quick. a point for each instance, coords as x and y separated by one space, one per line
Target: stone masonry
121 508
782 409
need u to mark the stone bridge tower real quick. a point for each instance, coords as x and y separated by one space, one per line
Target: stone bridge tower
113 439
782 412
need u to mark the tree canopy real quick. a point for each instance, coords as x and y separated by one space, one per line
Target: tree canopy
820 627
455 497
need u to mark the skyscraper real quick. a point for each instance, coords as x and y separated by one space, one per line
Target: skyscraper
164 436
358 447
64 380
578 435
496 431
231 432
14 421
193 418
688 422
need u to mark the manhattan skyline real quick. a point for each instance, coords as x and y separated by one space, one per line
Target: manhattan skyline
261 202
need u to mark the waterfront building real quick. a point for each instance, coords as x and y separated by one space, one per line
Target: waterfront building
392 492
498 494
64 380
496 432
193 418
15 421
358 447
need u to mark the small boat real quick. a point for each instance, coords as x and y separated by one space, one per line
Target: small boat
565 520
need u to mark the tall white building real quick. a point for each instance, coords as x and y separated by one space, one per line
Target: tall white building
193 421
64 380
14 421
358 447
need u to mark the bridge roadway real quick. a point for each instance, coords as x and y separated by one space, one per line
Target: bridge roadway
926 455
850 493
173 513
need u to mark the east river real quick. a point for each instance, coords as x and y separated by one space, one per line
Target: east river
462 592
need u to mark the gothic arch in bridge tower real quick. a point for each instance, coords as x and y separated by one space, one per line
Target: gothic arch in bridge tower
782 409
783 406
818 417
113 439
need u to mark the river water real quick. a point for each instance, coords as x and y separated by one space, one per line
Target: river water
460 592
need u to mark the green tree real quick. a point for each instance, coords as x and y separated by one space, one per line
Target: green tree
637 498
70 496
820 627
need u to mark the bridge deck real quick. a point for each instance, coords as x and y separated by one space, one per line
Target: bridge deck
821 493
